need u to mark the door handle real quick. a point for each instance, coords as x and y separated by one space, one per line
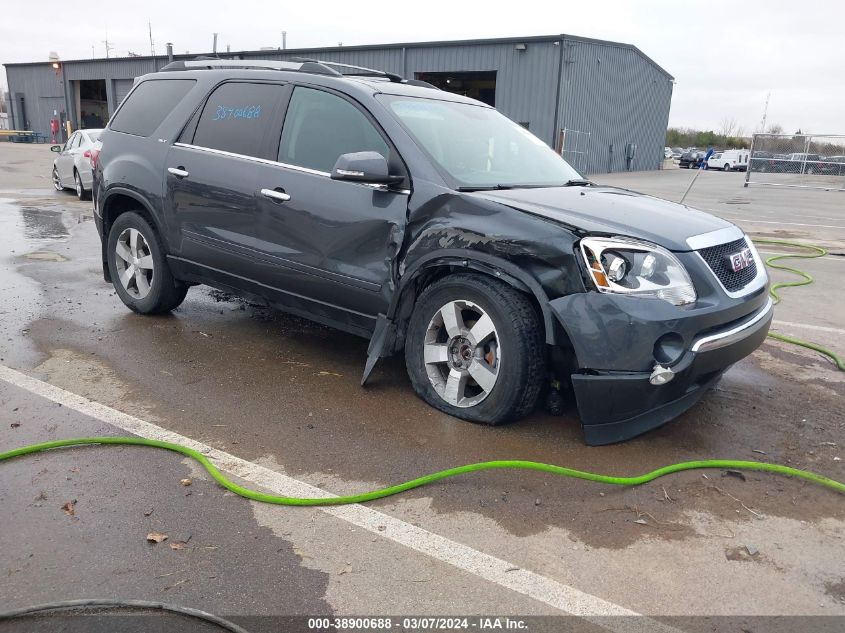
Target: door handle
179 172
275 195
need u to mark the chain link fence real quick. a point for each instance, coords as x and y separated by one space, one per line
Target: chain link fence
797 160
574 146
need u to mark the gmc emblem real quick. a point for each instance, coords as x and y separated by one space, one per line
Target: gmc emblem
741 260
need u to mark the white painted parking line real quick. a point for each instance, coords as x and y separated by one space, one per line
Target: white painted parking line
753 221
564 598
807 326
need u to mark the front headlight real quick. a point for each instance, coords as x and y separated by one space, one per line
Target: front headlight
637 268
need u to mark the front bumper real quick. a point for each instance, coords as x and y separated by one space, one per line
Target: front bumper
616 405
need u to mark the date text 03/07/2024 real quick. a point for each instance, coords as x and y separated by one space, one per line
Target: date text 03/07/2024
423 623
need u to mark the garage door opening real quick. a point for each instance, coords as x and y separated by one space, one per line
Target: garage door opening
92 106
479 85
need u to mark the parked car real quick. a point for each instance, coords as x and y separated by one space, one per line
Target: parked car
809 164
432 225
692 158
839 161
768 162
72 167
676 152
729 160
667 153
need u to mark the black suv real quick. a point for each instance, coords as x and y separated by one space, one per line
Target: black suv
426 222
692 159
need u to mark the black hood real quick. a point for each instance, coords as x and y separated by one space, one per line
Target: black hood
608 210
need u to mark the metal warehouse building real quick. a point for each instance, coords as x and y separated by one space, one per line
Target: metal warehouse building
604 105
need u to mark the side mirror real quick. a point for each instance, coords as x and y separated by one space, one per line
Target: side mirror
365 167
55 148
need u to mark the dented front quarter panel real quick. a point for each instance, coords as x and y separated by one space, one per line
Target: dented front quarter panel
447 225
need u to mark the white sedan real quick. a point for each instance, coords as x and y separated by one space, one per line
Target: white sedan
72 167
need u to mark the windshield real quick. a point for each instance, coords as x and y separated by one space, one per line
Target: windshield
479 147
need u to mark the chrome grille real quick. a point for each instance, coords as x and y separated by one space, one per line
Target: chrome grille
718 258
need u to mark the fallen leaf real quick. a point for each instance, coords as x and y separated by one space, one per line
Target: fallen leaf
69 508
186 482
156 537
148 512
178 545
641 521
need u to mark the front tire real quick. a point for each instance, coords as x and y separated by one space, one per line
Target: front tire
57 180
727 167
138 267
475 350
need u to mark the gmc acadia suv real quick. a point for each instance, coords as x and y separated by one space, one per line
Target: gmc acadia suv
426 222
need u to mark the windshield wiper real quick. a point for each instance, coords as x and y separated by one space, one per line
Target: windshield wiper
486 187
578 182
518 185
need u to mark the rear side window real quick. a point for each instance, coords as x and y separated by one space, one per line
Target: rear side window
148 105
320 126
238 117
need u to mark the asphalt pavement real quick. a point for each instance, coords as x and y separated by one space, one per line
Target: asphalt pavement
278 399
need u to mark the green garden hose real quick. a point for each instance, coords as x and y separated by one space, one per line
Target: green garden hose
497 464
805 279
427 479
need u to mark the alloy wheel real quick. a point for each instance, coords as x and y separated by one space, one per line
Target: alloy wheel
57 182
462 354
134 263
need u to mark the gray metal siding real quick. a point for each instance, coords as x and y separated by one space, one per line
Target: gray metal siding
42 91
623 98
525 80
121 89
619 97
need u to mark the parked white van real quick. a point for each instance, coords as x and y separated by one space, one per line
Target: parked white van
729 160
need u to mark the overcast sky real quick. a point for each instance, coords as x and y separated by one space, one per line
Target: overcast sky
725 57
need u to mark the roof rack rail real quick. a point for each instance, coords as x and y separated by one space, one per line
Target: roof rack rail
305 66
294 64
359 71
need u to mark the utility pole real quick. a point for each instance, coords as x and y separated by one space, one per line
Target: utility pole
109 47
214 45
765 114
284 40
152 44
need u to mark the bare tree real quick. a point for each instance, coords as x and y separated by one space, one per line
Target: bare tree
727 126
775 128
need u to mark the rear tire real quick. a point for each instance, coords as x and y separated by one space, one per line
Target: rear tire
506 352
81 192
727 167
138 267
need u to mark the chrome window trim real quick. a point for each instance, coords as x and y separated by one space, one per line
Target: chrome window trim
734 334
255 159
715 238
275 163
